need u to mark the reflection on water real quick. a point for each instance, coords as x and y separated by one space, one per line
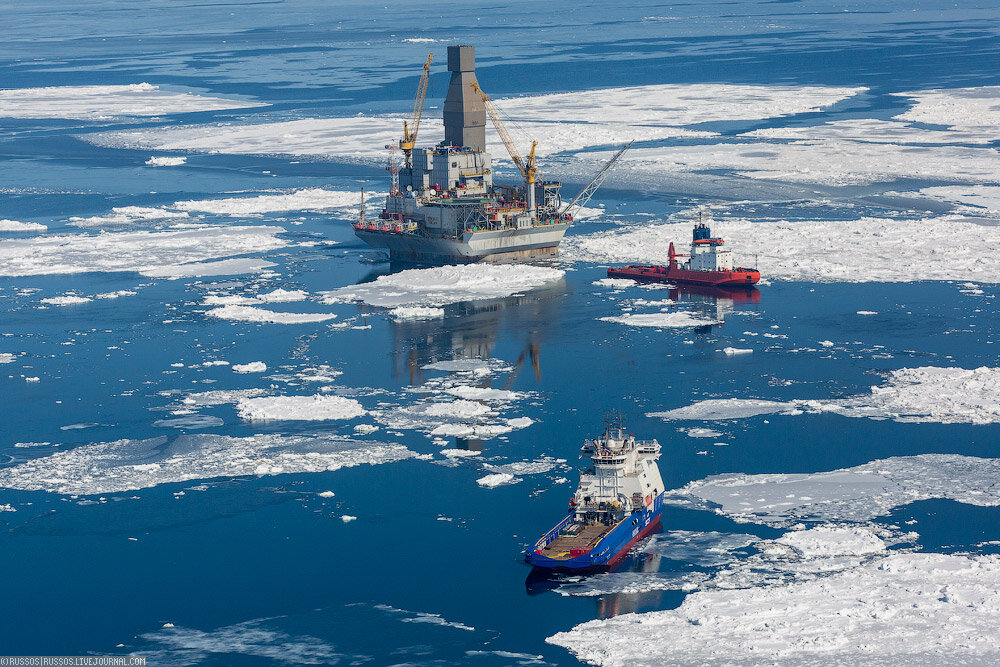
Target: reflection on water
714 302
613 604
608 604
469 330
469 444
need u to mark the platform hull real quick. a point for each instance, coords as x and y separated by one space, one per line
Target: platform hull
507 245
609 551
674 274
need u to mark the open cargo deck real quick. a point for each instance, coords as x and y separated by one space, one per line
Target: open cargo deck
570 544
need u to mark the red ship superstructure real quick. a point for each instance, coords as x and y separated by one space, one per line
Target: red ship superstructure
708 264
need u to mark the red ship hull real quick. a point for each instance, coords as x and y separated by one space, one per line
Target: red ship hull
738 277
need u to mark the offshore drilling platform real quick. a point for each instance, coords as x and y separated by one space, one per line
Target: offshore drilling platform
443 206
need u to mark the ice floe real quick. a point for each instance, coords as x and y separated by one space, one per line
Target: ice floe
864 250
66 300
902 609
737 560
277 296
566 121
476 366
354 137
130 216
189 422
252 367
675 104
821 161
439 286
15 226
222 267
615 283
254 314
283 296
162 161
973 110
496 479
416 313
175 645
665 320
219 396
870 130
823 541
152 253
423 617
702 548
855 494
308 199
483 393
104 102
310 408
116 294
125 465
924 394
700 432
982 201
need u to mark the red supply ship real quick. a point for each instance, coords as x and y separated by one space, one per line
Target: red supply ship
708 264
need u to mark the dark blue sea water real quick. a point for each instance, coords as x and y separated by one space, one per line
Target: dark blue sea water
261 569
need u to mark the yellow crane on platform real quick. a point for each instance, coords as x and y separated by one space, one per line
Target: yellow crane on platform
527 167
410 135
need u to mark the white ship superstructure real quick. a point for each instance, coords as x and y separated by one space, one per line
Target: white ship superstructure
708 253
623 477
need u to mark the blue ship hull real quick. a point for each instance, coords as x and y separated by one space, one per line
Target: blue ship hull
610 550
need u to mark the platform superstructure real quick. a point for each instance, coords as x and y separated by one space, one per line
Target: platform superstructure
617 503
443 205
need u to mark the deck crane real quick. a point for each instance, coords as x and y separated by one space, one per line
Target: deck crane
410 136
527 167
588 192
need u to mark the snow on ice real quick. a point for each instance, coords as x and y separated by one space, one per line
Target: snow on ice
309 408
308 199
865 250
161 161
435 287
129 216
892 610
15 226
416 313
924 394
66 300
564 121
665 320
151 253
126 465
104 102
497 479
252 367
253 314
855 494
972 110
830 161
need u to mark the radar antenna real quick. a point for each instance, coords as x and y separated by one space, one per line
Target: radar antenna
614 421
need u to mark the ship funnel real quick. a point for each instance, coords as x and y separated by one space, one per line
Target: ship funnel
464 112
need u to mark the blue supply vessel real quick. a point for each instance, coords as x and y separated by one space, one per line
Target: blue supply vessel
617 503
